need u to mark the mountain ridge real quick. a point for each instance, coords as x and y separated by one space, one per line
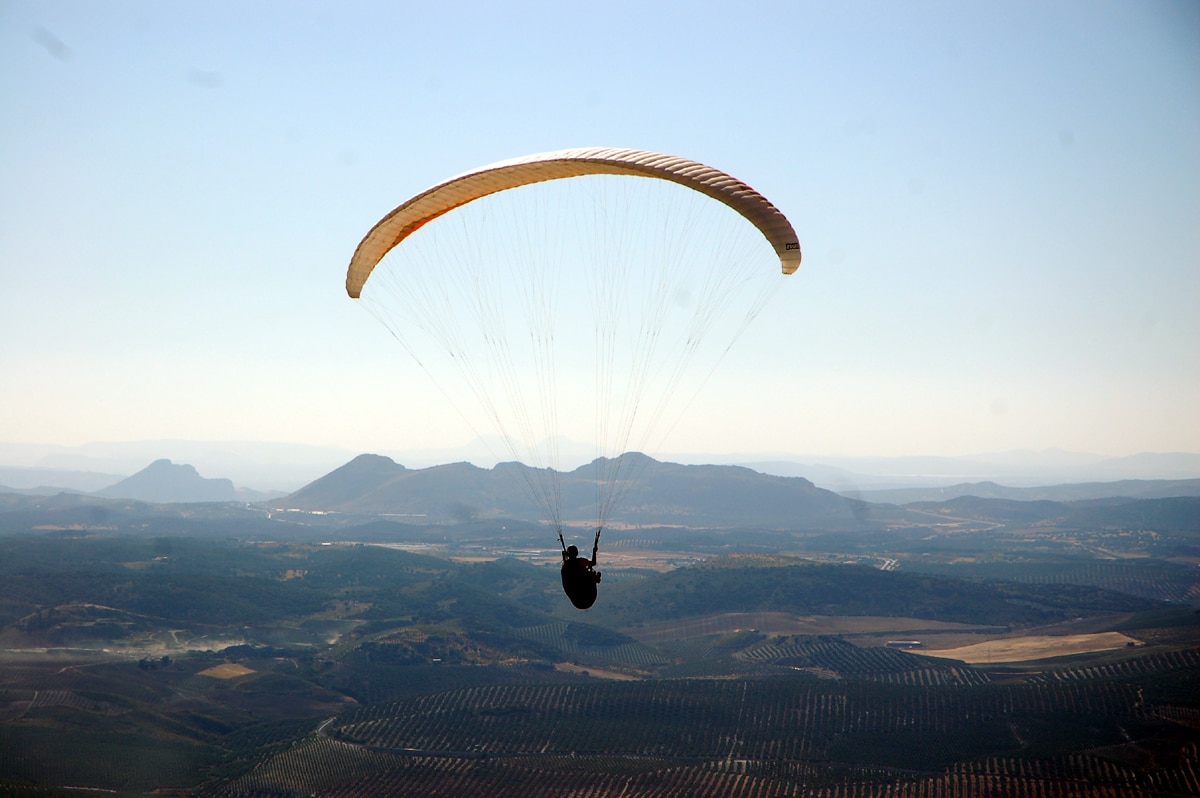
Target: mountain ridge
1071 491
460 491
283 467
650 492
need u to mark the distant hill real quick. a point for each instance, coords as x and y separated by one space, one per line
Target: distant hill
730 495
374 484
1082 491
288 467
1176 514
662 493
861 475
48 481
725 497
278 467
163 481
351 481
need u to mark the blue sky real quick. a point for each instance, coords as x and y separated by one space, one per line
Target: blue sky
999 207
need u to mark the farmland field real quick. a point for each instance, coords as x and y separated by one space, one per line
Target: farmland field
758 738
782 623
1033 647
226 670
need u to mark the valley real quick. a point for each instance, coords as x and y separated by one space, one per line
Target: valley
929 649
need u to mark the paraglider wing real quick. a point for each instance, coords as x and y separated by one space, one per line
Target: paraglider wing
478 183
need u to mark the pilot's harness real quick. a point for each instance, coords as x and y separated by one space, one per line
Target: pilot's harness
595 544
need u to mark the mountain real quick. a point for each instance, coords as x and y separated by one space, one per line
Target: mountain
652 493
1172 515
265 465
347 483
288 467
1022 468
724 495
165 482
48 481
1080 491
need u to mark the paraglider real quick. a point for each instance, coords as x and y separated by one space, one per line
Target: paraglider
579 574
521 284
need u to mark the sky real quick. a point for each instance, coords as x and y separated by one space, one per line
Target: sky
998 205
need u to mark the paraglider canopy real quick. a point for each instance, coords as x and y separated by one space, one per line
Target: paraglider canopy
478 183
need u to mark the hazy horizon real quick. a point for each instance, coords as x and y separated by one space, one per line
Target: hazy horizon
281 466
